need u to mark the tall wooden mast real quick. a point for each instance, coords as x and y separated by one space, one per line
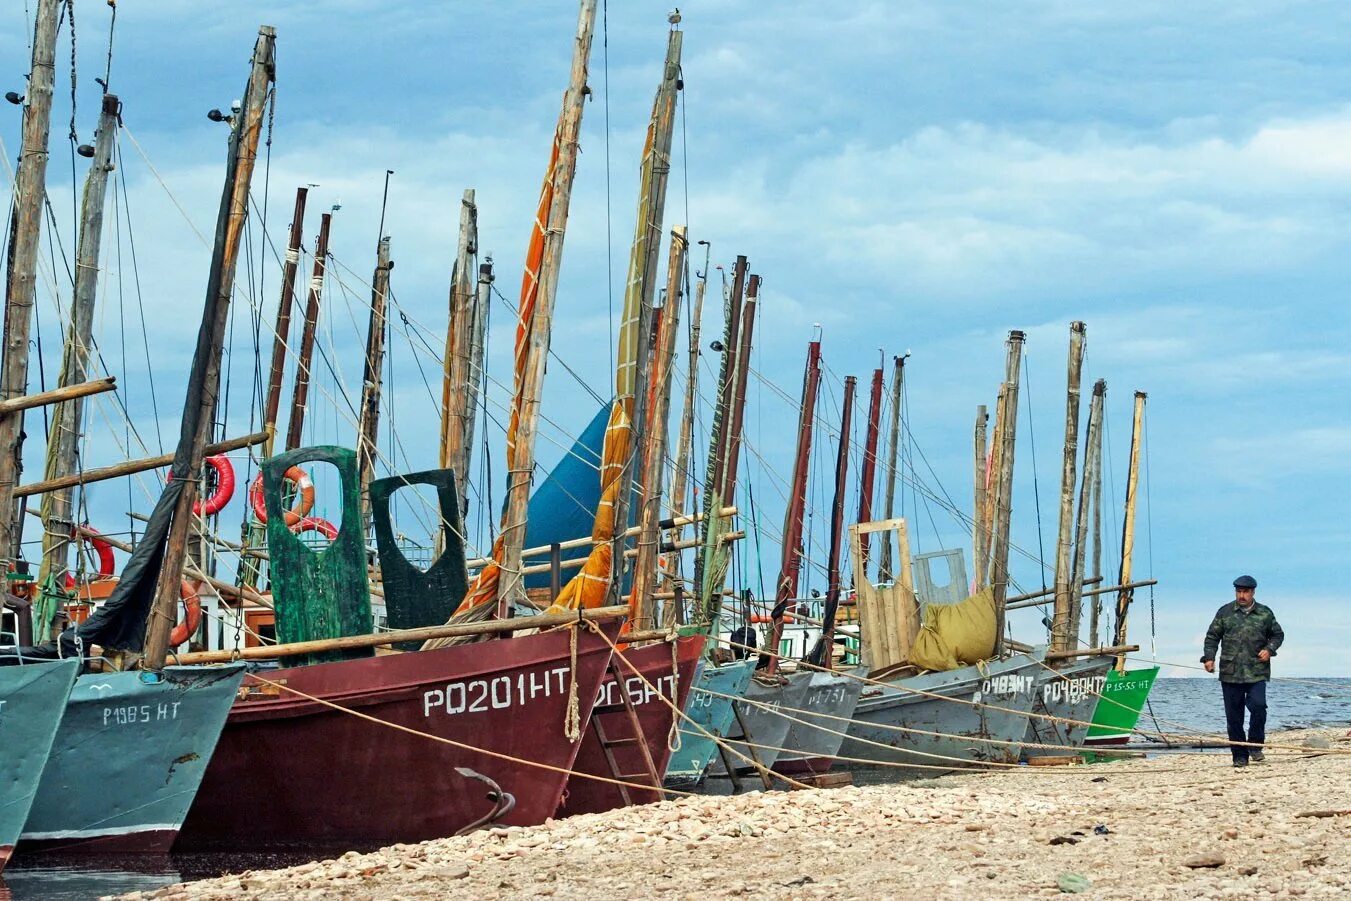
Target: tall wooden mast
295 426
30 191
1008 431
67 420
283 327
980 530
1061 638
1096 572
1123 600
368 424
1092 471
790 563
459 378
869 469
245 128
822 655
884 565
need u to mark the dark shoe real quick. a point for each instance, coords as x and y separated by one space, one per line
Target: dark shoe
1240 763
1257 757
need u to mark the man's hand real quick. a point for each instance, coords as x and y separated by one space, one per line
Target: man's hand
1210 665
1264 655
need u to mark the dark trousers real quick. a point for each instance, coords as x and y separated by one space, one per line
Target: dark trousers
1253 697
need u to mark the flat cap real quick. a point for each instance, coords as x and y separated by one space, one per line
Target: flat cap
1245 582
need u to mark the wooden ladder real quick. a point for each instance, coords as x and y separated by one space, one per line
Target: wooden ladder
639 738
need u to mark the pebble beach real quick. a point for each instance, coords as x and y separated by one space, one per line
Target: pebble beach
1178 825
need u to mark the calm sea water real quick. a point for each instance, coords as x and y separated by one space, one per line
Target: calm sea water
1194 703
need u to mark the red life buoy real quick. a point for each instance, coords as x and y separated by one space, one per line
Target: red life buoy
104 551
192 614
316 524
304 499
225 486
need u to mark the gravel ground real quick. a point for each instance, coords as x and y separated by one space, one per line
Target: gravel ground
1174 826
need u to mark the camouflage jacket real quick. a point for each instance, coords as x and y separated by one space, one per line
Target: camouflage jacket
1238 636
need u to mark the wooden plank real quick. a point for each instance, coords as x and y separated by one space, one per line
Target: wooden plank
56 395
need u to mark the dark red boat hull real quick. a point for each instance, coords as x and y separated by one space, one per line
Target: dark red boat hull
150 841
289 771
653 661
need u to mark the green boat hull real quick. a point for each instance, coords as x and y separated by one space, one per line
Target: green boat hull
32 701
1123 697
710 706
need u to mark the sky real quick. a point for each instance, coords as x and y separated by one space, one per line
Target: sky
913 177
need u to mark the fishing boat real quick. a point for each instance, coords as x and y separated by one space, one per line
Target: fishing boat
709 719
1118 709
32 702
764 718
1064 698
820 725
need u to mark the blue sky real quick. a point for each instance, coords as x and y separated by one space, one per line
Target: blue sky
916 176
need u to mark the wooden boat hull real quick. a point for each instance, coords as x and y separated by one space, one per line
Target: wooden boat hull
968 735
1123 697
827 707
289 771
674 679
710 706
767 727
32 702
128 759
1069 691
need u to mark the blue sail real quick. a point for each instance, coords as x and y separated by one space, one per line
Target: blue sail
563 507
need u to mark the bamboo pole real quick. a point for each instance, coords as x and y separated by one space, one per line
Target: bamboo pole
1091 467
1004 497
58 395
67 419
530 373
300 392
1060 622
884 565
823 656
284 307
1123 601
685 444
246 128
629 554
869 471
980 531
30 192
655 454
457 376
368 425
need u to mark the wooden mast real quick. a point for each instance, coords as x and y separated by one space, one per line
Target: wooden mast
1061 639
869 471
68 416
790 563
1097 537
30 191
685 444
283 328
823 655
300 393
246 126
1008 432
743 368
1092 468
368 424
980 530
459 378
884 566
655 450
1123 600
534 355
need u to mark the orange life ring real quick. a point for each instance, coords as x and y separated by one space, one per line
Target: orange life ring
304 500
104 551
316 524
192 613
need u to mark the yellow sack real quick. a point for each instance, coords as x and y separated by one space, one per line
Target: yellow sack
956 635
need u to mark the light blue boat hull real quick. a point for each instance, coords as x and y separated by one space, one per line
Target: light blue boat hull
128 759
32 701
710 706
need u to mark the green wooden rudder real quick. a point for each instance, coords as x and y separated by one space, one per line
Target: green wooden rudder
324 593
416 597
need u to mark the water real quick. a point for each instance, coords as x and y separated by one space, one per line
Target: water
1193 703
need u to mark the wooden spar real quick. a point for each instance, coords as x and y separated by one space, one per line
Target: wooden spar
884 566
823 656
457 377
30 192
58 395
980 532
1091 467
1043 593
739 398
67 419
1123 600
1004 498
655 453
1097 533
530 370
1061 639
983 573
245 129
1047 597
283 328
788 585
377 639
300 393
630 554
685 443
368 425
869 470
131 467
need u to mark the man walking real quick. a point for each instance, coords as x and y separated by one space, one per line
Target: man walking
1247 636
